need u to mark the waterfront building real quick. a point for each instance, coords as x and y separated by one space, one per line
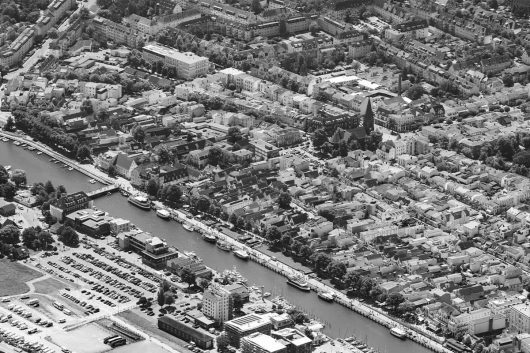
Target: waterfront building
243 326
90 222
217 303
261 343
294 340
69 203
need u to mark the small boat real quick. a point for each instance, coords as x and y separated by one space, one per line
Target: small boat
223 245
56 162
31 148
326 296
51 160
242 254
188 227
5 140
124 193
7 167
164 214
210 238
39 153
266 294
16 143
298 282
70 169
92 181
399 333
140 202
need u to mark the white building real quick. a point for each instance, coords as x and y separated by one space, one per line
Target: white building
217 303
519 317
188 65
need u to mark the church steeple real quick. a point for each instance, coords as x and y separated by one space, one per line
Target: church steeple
367 115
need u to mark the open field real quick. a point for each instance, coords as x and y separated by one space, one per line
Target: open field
86 339
14 276
48 286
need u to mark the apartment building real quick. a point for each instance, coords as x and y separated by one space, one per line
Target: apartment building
217 303
519 317
188 65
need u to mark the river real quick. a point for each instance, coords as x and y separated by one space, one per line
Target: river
338 321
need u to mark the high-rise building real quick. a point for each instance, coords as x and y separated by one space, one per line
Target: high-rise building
217 303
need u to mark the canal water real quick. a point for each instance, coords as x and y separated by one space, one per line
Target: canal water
338 321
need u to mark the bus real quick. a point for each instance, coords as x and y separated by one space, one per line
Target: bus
58 306
117 343
112 340
34 302
107 339
67 312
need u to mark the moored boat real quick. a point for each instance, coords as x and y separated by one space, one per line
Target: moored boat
298 282
223 245
399 333
188 227
92 181
164 214
326 296
210 238
140 202
242 254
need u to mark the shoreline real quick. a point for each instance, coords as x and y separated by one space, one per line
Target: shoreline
415 334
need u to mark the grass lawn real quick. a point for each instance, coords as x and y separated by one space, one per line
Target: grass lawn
14 276
48 286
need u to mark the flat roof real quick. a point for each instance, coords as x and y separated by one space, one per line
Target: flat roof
186 57
265 341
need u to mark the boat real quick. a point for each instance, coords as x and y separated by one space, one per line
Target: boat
16 143
7 168
92 181
51 160
266 294
399 333
326 296
188 227
31 148
164 214
242 254
223 245
210 238
298 282
140 202
70 169
39 153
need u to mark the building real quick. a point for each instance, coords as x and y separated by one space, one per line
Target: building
261 343
179 328
188 65
294 340
243 326
90 222
264 150
519 317
70 203
217 303
155 251
7 208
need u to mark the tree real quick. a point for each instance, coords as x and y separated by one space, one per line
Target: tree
10 234
233 219
8 191
152 187
233 135
394 299
68 236
171 194
415 92
188 276
160 297
28 236
19 177
284 200
237 302
321 262
10 124
214 156
169 299
313 28
274 234
507 79
112 171
343 149
139 134
49 188
4 175
164 156
86 107
83 152
84 13
222 342
256 6
493 4
319 138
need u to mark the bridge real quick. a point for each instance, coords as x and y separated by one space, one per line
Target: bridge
103 191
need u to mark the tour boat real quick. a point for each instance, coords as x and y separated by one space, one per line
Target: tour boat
326 296
242 254
92 181
140 202
399 333
164 214
210 238
223 245
188 227
298 282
